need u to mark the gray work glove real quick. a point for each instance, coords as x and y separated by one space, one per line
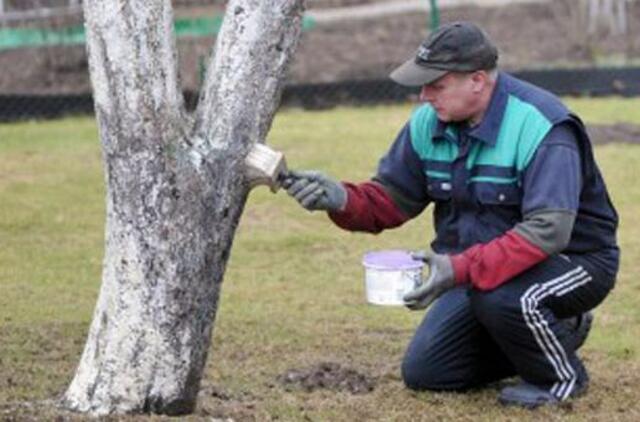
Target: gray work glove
315 191
441 278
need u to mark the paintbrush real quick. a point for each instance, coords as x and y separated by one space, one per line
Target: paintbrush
264 166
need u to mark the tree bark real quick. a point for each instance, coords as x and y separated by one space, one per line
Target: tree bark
175 192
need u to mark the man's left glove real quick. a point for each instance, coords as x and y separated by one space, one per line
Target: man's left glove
441 278
315 191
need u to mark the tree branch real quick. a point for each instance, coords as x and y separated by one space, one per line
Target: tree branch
247 71
132 59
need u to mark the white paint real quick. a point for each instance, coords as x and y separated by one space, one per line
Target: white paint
165 257
243 50
201 149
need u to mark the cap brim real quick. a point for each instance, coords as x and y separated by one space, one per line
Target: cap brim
411 74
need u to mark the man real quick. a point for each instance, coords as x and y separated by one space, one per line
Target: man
525 232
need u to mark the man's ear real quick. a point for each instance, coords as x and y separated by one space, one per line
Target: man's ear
479 79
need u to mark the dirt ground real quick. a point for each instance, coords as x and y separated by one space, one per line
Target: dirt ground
528 36
613 384
327 375
619 132
537 35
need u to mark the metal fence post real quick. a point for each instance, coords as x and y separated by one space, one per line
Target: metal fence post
435 15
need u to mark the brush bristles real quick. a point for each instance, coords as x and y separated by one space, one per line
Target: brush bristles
264 166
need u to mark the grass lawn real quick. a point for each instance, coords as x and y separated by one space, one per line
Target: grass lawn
293 295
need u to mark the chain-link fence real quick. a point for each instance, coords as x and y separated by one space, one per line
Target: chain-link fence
347 49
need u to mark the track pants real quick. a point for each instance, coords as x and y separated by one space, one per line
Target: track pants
469 337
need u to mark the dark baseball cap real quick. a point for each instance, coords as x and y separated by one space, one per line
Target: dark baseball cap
453 47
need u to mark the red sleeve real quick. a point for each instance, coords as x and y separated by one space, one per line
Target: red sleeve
369 208
487 266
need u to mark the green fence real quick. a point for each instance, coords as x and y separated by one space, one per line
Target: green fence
14 38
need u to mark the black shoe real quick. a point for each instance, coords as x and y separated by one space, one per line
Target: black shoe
526 395
531 396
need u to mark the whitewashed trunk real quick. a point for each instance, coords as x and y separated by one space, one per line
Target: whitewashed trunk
175 192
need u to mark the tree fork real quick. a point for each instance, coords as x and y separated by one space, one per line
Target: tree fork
175 192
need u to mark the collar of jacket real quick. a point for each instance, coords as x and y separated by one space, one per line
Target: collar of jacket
488 129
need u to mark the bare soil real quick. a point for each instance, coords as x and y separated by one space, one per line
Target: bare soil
216 402
535 35
327 375
619 132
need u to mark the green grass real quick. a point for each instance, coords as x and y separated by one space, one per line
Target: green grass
293 294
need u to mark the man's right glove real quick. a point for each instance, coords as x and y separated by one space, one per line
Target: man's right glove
315 191
441 278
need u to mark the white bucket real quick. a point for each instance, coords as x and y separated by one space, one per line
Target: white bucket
389 275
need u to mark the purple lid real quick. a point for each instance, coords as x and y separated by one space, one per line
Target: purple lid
391 260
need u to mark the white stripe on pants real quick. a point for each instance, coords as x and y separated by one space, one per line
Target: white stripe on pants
546 339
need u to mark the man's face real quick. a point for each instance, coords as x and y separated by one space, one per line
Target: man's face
453 96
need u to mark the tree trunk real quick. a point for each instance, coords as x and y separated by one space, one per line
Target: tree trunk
175 192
